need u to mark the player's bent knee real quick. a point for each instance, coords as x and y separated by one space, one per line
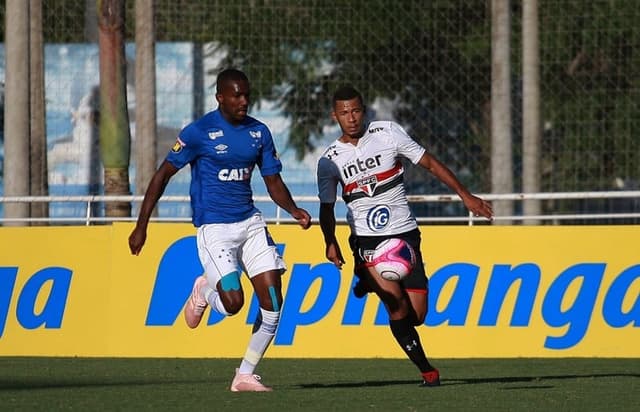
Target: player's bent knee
418 319
232 302
233 308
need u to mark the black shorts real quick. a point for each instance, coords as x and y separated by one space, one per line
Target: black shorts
363 246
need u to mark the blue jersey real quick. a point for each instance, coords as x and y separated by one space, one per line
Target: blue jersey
222 158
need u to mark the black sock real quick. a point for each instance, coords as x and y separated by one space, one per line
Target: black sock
409 340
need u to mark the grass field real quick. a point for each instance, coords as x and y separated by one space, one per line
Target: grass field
98 384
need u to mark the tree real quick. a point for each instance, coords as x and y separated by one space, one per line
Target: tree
501 127
16 143
434 68
530 109
145 150
434 58
115 137
39 183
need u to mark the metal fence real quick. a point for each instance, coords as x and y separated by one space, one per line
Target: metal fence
425 64
616 207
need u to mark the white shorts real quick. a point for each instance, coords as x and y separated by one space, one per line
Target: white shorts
226 248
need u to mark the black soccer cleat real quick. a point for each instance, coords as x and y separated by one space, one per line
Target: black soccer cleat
431 378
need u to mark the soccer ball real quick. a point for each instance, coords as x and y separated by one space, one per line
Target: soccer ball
393 259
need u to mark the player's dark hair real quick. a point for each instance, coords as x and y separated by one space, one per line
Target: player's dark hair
229 75
347 92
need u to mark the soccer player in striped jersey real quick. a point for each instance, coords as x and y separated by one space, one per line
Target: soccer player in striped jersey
365 162
223 147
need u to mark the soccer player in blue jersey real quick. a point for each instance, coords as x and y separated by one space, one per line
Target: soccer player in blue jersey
223 147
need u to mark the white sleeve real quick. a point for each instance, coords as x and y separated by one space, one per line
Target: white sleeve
407 147
327 179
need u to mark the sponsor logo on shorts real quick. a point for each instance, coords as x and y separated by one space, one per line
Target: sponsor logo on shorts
367 255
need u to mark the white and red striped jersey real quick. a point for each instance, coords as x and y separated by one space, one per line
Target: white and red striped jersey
371 176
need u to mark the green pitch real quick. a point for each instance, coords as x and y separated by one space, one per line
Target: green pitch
82 384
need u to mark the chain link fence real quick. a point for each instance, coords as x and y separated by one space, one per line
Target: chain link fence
425 64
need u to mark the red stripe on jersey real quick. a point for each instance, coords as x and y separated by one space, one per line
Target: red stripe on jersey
397 168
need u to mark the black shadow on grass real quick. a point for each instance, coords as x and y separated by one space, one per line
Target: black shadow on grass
534 379
362 384
30 384
537 381
510 388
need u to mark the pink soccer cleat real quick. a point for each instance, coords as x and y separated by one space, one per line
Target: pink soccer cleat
196 304
248 382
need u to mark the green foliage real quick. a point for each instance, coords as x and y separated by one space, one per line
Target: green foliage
432 60
297 56
589 89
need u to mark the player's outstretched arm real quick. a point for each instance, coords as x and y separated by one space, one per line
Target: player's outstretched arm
155 189
281 195
476 205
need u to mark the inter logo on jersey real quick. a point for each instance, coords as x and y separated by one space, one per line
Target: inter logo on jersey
359 166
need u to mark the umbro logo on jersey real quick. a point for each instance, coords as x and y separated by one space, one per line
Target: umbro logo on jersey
221 148
214 135
256 134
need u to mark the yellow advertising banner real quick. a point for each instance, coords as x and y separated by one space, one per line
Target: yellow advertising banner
495 291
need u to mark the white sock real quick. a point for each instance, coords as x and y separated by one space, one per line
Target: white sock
213 299
264 331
